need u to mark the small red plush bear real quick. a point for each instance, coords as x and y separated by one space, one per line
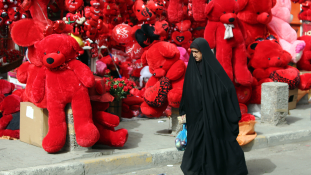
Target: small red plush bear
270 63
165 85
73 78
9 116
106 122
255 16
305 62
223 33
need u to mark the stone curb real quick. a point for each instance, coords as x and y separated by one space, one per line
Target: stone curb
123 163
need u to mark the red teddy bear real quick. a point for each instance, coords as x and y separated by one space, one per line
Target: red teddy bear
223 32
270 63
64 80
255 16
9 116
106 122
165 85
305 62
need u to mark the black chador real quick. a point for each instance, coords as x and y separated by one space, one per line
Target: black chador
212 111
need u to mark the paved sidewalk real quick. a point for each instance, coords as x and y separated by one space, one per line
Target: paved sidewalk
143 149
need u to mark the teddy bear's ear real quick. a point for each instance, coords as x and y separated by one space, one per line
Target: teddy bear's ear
27 31
168 50
273 3
209 7
251 48
242 4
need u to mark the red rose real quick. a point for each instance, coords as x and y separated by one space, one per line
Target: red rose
108 88
115 86
130 87
120 85
109 83
125 89
107 71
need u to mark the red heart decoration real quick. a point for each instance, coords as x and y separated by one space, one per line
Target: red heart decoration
289 76
184 25
156 7
181 38
244 93
142 12
73 5
161 28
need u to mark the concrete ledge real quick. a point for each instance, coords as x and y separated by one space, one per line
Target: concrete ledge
117 163
289 137
75 168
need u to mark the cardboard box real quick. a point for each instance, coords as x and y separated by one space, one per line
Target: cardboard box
33 123
292 98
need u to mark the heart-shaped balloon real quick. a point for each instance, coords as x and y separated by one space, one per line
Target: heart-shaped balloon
156 7
121 33
161 28
243 93
142 12
184 25
243 108
181 37
289 76
134 51
73 5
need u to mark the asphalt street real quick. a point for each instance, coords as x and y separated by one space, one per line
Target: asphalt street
289 159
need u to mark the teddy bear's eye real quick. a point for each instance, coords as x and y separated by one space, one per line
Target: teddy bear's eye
278 58
58 52
233 11
268 58
258 13
44 53
161 66
224 12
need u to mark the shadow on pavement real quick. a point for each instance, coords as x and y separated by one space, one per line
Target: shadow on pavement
260 166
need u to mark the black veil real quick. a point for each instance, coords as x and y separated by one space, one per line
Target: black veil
212 108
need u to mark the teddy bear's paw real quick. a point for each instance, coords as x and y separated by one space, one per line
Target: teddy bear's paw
152 112
54 141
174 97
119 138
87 135
156 95
299 47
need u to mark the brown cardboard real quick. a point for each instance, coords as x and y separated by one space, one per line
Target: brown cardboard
33 123
292 98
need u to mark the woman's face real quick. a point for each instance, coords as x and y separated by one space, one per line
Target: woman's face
196 54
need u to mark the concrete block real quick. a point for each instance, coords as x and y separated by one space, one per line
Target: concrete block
169 156
274 103
71 142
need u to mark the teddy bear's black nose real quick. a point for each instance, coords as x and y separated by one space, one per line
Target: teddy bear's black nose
50 60
154 74
231 19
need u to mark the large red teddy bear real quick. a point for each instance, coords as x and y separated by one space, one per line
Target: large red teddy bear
165 85
270 64
105 122
255 16
64 80
223 33
305 62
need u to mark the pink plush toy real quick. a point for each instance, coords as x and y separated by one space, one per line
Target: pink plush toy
286 34
184 56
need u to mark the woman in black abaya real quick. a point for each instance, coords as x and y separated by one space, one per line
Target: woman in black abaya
212 112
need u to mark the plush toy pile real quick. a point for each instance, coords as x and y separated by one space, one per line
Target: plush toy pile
146 50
